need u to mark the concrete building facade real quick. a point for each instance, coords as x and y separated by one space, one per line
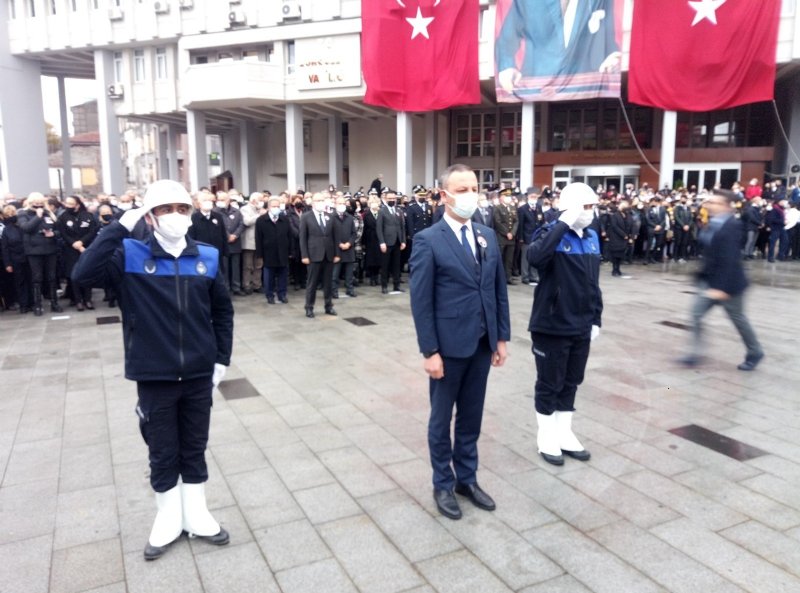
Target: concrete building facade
279 82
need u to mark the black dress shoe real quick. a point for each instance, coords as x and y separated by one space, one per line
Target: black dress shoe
90 305
447 504
552 459
284 300
154 552
271 300
689 361
579 455
384 290
398 289
352 293
330 311
478 497
310 312
750 363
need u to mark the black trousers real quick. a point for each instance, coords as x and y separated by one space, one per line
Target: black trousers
320 271
681 244
560 365
22 284
507 252
390 262
174 417
43 271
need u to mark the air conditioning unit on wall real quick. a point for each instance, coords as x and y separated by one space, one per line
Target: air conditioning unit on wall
116 91
161 7
186 4
291 10
115 13
237 17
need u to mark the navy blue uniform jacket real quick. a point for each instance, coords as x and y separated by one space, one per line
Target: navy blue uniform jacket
722 260
176 313
567 301
450 295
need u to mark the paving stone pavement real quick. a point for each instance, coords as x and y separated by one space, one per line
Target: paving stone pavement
322 478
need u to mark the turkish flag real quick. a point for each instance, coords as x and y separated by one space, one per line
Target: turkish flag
703 55
420 55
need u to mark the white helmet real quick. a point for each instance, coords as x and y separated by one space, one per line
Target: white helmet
165 191
576 196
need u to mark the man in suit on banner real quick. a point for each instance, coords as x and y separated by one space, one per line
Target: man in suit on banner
460 307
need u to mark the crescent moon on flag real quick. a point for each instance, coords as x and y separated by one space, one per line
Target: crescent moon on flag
401 3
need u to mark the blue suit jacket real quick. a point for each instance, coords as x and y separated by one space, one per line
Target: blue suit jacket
450 293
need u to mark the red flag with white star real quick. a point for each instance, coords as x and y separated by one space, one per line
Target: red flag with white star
703 55
420 55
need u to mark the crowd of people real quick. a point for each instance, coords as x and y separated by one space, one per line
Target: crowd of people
335 239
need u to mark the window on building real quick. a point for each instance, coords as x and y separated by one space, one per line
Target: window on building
138 65
251 55
161 63
198 59
598 125
747 125
32 8
52 6
12 9
117 66
290 57
476 134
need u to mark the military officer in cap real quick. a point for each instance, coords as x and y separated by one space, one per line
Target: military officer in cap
419 215
506 226
178 333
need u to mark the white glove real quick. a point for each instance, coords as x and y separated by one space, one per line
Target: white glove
219 374
570 216
132 217
595 333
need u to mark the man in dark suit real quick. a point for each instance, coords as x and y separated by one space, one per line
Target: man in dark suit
273 234
484 212
657 225
721 280
460 308
391 229
208 226
530 218
344 241
318 253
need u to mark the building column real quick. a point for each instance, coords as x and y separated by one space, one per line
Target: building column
198 157
66 145
404 145
669 128
163 151
335 151
110 140
431 148
172 153
247 149
544 127
295 153
527 143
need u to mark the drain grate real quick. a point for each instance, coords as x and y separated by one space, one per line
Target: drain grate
718 442
108 320
676 325
238 389
360 321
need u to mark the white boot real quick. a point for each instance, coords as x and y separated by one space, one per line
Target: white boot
547 439
167 526
567 441
197 521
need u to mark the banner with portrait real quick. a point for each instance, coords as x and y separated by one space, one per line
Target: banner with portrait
557 50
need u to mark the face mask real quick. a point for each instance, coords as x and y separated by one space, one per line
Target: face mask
328 203
220 204
545 208
274 211
507 200
113 202
390 203
173 226
206 206
11 219
532 203
341 209
282 207
319 206
125 205
106 217
465 204
584 220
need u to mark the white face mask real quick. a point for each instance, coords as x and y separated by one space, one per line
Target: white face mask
483 203
220 204
173 226
545 208
584 220
206 206
341 208
465 204
125 205
274 211
319 206
282 207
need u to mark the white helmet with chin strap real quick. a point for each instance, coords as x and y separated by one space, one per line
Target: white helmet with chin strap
165 191
577 195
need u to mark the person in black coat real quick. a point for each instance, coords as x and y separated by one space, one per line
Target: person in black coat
391 228
753 221
721 280
14 261
344 240
484 212
620 235
273 237
317 251
78 229
372 248
39 225
297 270
208 226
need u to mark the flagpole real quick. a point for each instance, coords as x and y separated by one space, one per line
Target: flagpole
527 141
404 145
668 136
